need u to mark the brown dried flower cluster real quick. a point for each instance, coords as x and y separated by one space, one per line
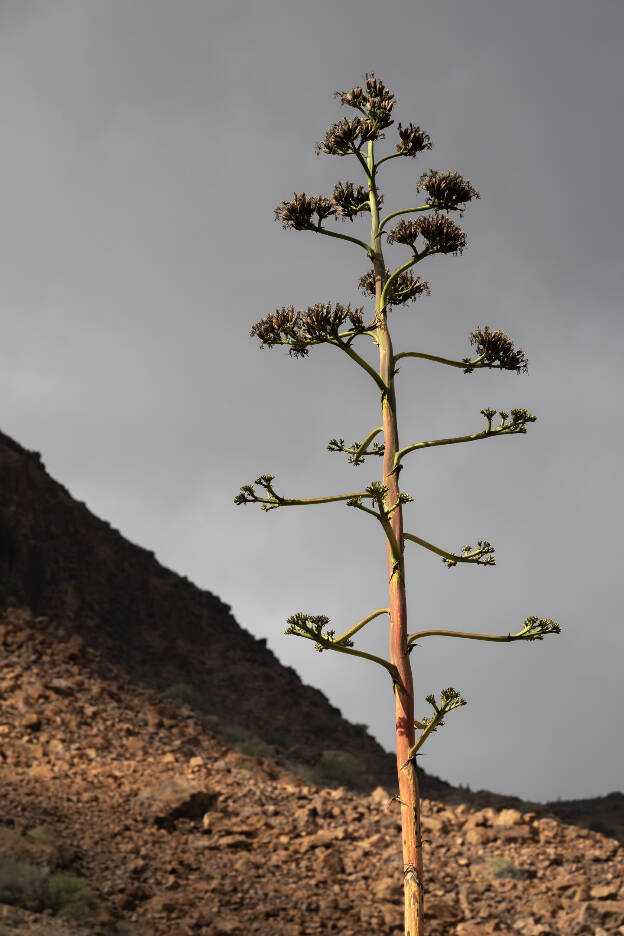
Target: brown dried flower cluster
412 140
405 288
499 351
440 234
374 100
317 323
347 136
447 190
348 200
297 213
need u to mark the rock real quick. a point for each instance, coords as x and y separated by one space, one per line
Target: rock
601 892
63 687
513 833
31 722
509 817
443 910
175 798
388 889
379 796
479 835
610 910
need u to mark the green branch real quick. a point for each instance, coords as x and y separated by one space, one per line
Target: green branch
410 263
533 629
247 495
450 699
358 451
312 627
482 555
347 237
395 214
517 426
357 627
377 493
363 364
441 360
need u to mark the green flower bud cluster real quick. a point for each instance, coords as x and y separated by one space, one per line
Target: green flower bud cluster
481 555
312 627
517 423
247 494
353 451
535 628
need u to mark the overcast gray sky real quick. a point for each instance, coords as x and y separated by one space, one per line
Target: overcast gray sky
145 145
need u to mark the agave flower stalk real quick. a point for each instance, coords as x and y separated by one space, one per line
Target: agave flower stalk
424 230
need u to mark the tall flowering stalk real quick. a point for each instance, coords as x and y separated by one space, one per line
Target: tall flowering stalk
423 230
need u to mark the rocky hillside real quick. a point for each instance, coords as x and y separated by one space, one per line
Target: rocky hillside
122 815
59 560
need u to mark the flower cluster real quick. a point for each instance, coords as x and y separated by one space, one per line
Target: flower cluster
311 626
439 233
412 140
318 323
517 423
449 700
347 136
348 200
497 350
297 213
535 628
447 190
482 555
374 100
248 495
404 288
356 457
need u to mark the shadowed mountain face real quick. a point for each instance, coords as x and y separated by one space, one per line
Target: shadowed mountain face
61 561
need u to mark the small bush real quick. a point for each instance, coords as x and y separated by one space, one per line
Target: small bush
40 835
504 868
340 767
34 888
254 748
181 693
67 894
21 883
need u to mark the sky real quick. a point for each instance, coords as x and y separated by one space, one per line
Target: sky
145 146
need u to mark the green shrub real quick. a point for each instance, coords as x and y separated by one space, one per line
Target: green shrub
340 767
33 887
254 748
67 894
504 868
21 883
40 835
181 693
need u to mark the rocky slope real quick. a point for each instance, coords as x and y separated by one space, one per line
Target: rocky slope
58 559
111 787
